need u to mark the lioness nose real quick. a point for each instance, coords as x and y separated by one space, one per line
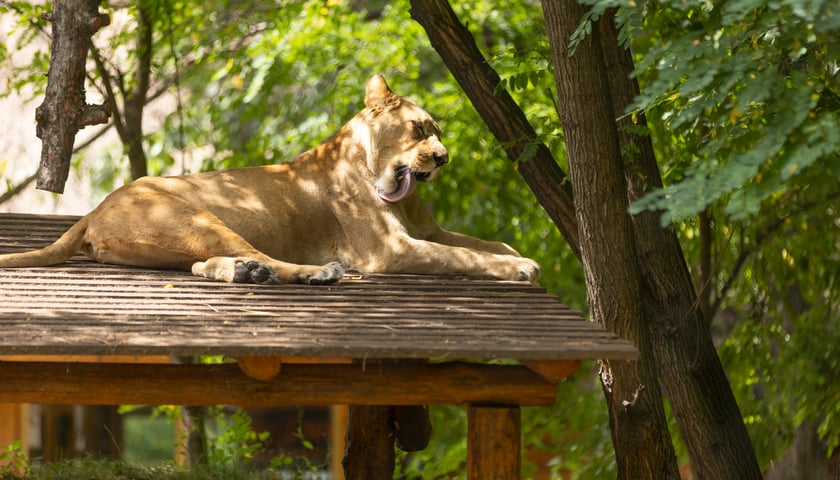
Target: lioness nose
440 159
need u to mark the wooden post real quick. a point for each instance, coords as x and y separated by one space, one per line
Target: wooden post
369 447
338 432
493 443
64 111
14 426
59 432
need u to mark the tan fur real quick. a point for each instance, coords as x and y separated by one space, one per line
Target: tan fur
303 221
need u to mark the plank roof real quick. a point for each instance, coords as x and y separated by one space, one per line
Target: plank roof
82 307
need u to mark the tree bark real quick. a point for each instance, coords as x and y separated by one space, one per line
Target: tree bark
640 433
456 46
64 110
689 368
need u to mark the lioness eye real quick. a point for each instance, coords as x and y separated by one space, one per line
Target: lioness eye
418 127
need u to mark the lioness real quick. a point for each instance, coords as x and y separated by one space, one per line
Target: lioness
350 201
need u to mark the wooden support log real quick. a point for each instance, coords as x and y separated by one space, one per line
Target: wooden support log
451 383
14 426
339 416
369 446
262 368
412 427
65 111
493 443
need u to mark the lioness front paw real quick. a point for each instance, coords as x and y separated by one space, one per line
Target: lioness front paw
324 275
511 267
528 270
253 271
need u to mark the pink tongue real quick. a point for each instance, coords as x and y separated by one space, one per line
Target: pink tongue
407 186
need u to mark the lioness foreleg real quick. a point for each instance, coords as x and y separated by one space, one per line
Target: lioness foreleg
265 270
410 255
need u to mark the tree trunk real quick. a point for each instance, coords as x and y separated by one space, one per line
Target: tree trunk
641 438
456 46
195 442
64 110
136 100
128 121
689 369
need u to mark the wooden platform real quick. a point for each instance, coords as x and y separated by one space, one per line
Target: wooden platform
450 326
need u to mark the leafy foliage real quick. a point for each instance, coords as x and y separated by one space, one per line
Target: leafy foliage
750 88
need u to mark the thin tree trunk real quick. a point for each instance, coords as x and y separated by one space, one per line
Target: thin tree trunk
128 121
456 46
640 432
689 368
136 100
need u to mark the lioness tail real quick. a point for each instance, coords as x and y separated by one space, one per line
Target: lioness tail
59 252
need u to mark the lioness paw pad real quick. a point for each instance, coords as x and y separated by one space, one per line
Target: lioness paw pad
253 271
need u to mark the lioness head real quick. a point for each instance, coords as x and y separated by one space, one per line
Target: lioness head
404 141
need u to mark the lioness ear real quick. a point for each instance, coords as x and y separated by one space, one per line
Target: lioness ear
377 92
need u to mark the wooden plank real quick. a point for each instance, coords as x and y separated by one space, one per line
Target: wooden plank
450 383
493 443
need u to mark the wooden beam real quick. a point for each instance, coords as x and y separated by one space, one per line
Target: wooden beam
87 358
493 443
452 383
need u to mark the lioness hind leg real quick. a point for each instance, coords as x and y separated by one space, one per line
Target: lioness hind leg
267 271
184 236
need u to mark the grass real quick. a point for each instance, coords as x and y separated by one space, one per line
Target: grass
102 469
107 469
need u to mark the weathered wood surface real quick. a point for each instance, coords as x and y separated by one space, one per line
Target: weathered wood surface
86 308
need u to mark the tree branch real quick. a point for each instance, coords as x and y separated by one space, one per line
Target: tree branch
765 233
64 110
9 194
